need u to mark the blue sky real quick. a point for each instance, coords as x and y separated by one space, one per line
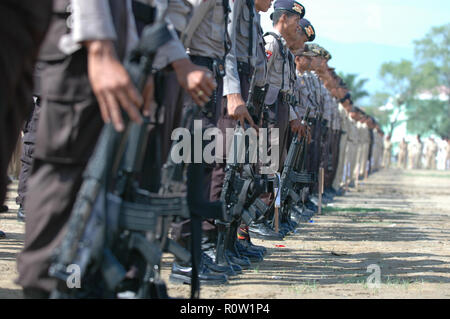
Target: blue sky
362 34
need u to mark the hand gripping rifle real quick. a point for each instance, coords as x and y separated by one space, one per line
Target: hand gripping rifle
112 235
294 176
242 185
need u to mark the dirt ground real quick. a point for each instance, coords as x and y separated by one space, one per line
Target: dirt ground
397 222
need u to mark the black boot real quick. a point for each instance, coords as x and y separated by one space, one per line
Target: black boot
183 274
263 231
231 252
243 237
222 257
311 206
252 254
216 268
209 242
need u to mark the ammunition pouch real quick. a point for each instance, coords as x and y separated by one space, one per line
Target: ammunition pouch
244 68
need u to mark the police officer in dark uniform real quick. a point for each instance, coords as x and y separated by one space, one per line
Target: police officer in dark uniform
28 143
84 84
23 24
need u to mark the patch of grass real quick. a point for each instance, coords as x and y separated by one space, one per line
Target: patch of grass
256 270
356 280
305 287
400 282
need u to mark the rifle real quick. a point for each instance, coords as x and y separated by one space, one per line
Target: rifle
294 177
242 185
113 226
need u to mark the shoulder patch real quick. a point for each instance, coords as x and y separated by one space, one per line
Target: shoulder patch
268 54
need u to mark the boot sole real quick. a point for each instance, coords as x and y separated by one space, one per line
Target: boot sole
180 279
255 235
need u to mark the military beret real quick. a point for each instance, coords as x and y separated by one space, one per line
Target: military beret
308 29
291 6
342 83
347 96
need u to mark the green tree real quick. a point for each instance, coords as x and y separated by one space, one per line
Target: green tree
414 87
355 85
428 116
401 82
432 54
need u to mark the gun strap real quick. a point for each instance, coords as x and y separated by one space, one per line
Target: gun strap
227 41
292 75
242 197
250 30
282 52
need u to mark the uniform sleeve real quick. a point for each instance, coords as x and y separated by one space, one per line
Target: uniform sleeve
327 103
92 20
302 96
261 61
272 52
231 82
171 51
292 114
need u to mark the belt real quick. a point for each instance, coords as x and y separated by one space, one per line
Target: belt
217 66
287 98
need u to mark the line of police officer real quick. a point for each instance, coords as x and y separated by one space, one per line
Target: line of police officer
218 47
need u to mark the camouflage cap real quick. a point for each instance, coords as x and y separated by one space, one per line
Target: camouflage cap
311 50
326 54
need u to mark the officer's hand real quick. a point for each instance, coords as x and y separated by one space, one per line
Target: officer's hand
238 111
298 127
112 85
198 81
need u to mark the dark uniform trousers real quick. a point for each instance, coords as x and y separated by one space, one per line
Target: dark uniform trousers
313 162
370 151
334 141
28 145
278 118
68 128
23 24
326 155
170 97
224 122
209 117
